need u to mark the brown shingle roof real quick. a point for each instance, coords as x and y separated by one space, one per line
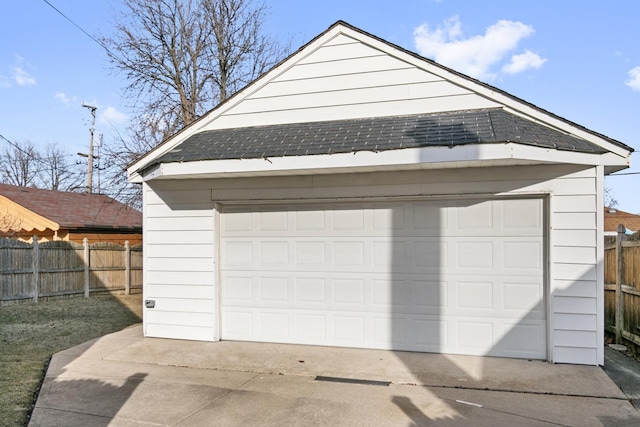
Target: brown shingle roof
614 217
75 210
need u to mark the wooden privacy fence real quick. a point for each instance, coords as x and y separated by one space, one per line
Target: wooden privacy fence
622 288
33 270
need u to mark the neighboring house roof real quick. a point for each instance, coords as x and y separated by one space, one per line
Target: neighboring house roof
78 211
614 217
300 108
375 134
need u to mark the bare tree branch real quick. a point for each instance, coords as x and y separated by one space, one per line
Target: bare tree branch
57 171
180 59
19 164
23 165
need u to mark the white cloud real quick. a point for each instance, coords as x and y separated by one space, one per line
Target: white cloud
64 98
634 79
19 74
112 116
523 62
22 78
474 55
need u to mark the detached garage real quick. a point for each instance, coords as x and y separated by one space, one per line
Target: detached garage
360 195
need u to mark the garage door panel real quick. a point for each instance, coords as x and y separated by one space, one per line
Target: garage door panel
389 332
348 329
311 253
474 296
311 290
428 296
429 334
474 255
310 220
389 217
522 216
521 254
429 218
349 220
274 289
430 255
310 328
349 255
237 221
524 298
474 216
275 326
390 255
237 324
521 340
273 221
441 276
238 289
474 336
237 253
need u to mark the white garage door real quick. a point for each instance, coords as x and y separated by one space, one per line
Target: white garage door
461 277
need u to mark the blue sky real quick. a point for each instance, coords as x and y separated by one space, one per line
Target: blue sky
577 59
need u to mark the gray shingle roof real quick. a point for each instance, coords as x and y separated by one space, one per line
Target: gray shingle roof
490 126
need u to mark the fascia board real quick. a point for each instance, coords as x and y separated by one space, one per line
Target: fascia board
134 178
411 158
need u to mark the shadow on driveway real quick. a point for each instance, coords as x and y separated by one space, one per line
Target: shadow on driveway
125 379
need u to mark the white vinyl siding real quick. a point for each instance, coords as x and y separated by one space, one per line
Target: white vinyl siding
572 250
345 79
179 264
577 320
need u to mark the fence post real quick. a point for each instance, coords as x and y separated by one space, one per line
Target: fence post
619 294
85 242
35 268
127 268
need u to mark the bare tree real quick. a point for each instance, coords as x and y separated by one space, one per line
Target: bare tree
23 165
56 172
181 58
144 135
19 164
159 45
9 224
240 51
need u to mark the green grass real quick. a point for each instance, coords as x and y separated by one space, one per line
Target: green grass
31 333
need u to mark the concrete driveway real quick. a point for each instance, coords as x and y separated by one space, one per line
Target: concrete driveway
124 379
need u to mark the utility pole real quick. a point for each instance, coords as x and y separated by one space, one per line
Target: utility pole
90 155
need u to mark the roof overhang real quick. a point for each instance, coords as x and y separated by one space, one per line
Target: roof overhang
478 155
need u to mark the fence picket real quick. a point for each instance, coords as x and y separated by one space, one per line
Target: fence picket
622 288
31 271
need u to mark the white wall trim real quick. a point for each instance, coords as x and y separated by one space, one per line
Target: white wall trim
216 272
548 276
410 158
600 264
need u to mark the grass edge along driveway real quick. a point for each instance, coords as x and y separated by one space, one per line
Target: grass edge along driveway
31 333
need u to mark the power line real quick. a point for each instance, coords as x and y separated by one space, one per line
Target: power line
23 151
102 45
